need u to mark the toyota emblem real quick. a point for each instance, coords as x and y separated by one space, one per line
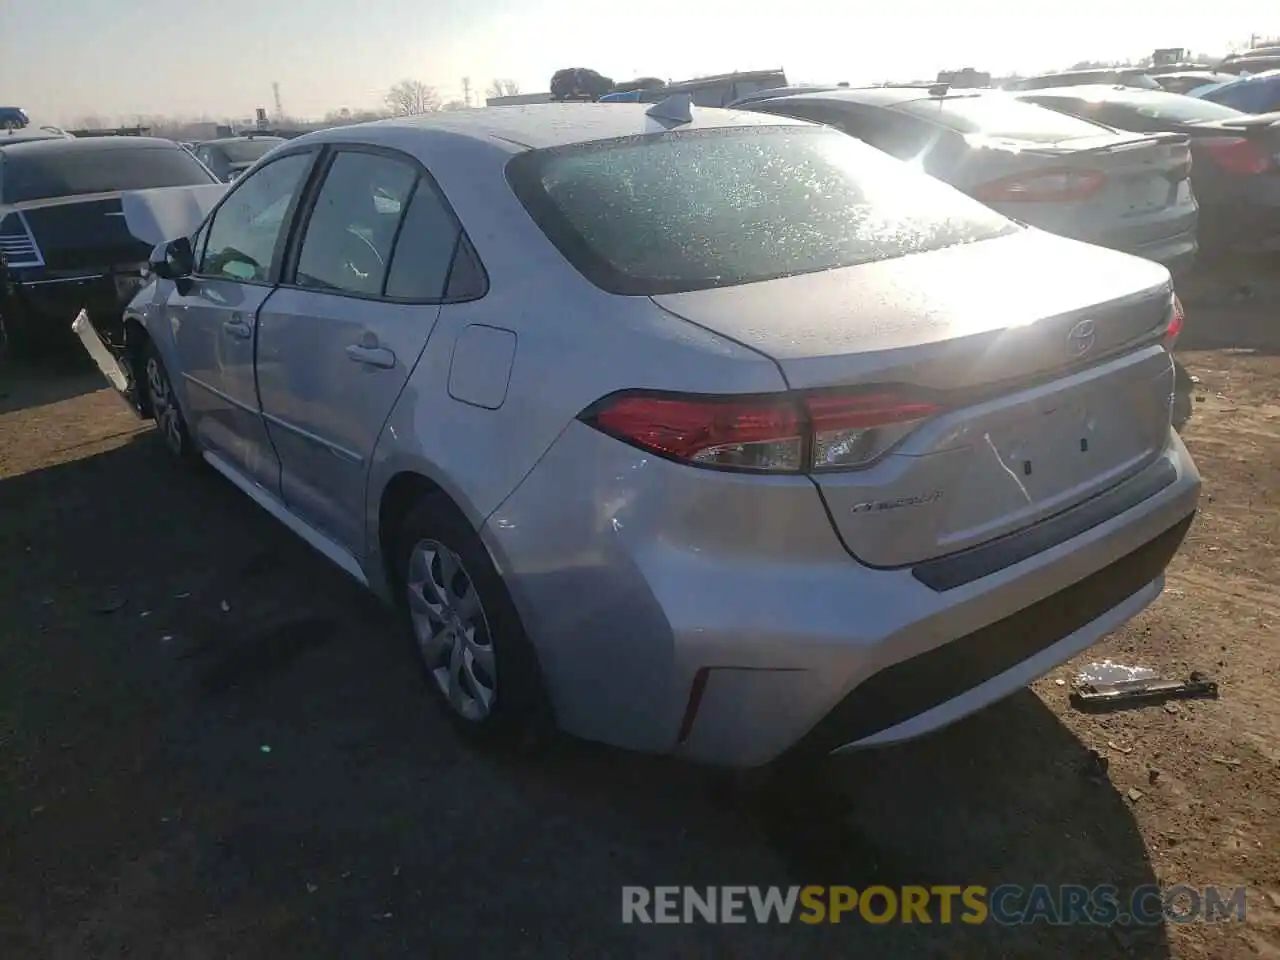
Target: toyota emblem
1081 337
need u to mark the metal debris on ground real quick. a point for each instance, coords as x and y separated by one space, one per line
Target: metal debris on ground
1112 686
1227 761
1135 794
1095 766
1118 748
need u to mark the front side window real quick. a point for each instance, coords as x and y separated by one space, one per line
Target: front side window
680 211
347 243
246 228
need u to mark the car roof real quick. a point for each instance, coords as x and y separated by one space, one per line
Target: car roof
1098 91
57 145
270 138
885 96
542 125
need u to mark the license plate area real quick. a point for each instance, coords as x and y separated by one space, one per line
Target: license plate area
1151 193
1042 455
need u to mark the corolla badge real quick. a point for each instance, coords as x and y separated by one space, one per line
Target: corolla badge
1081 337
876 506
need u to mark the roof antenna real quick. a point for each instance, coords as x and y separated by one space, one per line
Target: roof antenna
677 108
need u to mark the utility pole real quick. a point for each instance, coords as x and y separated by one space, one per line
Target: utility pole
466 90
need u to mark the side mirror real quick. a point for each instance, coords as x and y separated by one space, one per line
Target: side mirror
173 260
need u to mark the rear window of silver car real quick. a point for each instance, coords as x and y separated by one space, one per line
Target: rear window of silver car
1001 117
694 209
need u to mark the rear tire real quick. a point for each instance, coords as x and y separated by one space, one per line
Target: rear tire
477 661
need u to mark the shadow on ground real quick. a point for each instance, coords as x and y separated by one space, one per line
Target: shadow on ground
216 746
35 383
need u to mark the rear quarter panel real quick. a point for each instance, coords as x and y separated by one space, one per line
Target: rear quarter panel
574 345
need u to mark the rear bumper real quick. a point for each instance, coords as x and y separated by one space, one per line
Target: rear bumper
42 308
720 619
1241 214
1177 253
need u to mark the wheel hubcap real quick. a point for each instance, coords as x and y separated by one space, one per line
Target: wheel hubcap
162 405
452 630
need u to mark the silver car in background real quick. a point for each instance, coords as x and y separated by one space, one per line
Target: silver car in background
1131 192
723 437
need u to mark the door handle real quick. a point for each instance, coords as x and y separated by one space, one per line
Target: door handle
379 357
237 328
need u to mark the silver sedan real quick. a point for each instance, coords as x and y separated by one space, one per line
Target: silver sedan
718 434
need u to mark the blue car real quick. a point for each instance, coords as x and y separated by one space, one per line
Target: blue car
13 118
1259 93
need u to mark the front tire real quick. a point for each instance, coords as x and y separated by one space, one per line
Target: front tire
478 663
170 423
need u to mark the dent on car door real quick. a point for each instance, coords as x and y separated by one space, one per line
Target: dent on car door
212 316
338 340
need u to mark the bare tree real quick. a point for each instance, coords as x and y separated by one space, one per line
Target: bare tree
410 97
503 87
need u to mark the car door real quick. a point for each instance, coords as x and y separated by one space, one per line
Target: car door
340 337
212 315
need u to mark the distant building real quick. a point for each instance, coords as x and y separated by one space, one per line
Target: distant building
965 79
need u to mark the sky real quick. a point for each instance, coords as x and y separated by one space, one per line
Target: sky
64 60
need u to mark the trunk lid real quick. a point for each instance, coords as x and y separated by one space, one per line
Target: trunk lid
83 233
1144 193
1031 343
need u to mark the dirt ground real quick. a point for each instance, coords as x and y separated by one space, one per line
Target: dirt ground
212 746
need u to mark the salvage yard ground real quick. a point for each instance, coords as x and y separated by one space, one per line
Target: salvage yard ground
212 746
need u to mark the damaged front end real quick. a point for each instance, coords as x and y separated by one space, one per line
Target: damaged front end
114 339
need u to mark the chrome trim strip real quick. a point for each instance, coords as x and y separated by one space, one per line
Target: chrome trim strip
41 283
332 447
239 404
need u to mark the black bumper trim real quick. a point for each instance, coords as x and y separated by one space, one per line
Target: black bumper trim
909 688
965 566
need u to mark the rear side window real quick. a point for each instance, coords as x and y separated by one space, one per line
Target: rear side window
40 174
424 250
1001 118
247 151
689 210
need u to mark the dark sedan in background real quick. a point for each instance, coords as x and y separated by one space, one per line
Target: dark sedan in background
64 243
230 157
1061 174
1236 168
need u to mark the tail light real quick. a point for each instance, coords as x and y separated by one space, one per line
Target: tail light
1044 186
778 433
1236 154
1177 317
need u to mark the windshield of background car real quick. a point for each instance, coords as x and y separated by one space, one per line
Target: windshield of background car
1174 107
65 173
247 151
689 210
1001 118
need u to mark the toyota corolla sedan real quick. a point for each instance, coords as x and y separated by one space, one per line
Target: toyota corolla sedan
698 432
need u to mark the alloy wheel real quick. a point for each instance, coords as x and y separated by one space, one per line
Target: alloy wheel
452 630
163 407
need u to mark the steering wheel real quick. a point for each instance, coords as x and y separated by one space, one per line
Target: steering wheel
362 261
